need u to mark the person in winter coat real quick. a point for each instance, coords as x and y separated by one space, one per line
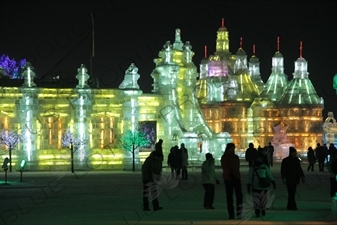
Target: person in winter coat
184 162
151 171
177 161
170 161
320 156
291 173
250 154
311 159
209 180
230 164
259 171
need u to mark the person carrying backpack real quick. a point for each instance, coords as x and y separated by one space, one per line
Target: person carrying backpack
259 181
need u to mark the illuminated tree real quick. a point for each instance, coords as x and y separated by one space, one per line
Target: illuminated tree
10 139
131 140
10 67
73 144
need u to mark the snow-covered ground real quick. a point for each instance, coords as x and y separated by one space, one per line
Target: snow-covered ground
110 197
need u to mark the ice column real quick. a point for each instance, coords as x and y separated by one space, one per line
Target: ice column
130 110
29 120
83 107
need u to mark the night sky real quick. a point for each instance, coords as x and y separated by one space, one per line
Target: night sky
53 35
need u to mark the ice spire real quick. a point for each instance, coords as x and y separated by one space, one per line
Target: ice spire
300 90
277 81
222 41
254 71
28 75
82 77
240 85
178 44
130 78
241 59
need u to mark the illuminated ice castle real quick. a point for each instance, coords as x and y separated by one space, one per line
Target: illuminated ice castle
226 102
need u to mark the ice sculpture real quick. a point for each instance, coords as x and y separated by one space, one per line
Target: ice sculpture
254 71
330 129
82 77
280 141
28 76
130 78
300 90
277 82
131 107
184 122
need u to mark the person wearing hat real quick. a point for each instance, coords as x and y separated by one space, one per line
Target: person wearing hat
292 173
151 172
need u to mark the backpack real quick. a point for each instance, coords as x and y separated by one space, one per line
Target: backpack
263 181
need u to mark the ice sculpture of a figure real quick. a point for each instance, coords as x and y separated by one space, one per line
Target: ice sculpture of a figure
130 78
280 141
330 129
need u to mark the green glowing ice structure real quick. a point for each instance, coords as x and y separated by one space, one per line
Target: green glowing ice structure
277 82
300 92
175 79
30 122
254 72
28 76
82 103
131 108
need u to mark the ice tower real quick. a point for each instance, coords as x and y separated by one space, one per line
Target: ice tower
175 80
254 71
277 82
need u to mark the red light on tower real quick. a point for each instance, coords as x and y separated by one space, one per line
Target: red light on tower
241 42
278 43
222 22
300 49
253 49
205 51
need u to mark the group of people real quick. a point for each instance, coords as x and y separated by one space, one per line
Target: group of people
259 178
251 154
152 168
178 161
321 154
327 158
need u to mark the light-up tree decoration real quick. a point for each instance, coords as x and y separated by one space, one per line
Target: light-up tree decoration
10 67
10 139
73 144
131 140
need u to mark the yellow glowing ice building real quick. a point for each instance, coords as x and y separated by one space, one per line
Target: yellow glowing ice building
234 99
226 102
